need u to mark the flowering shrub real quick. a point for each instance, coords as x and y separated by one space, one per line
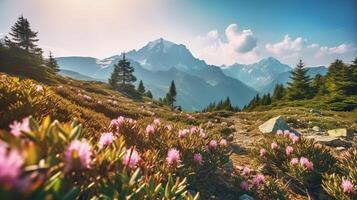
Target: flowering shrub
54 161
342 184
297 159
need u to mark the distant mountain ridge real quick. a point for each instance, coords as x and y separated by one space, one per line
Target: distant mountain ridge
161 61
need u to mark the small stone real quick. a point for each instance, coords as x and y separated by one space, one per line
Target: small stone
275 124
330 141
246 197
340 132
316 129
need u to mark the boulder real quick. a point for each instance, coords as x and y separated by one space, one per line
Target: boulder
330 141
274 124
246 197
340 132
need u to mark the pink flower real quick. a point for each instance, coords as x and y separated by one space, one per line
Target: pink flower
10 165
105 139
258 179
202 133
131 158
286 132
39 88
295 139
173 157
244 185
197 158
223 143
150 129
212 144
246 171
347 186
183 133
16 127
262 152
279 132
289 150
193 130
304 162
274 145
294 161
82 149
157 121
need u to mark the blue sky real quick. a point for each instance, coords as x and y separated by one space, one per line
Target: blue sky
220 32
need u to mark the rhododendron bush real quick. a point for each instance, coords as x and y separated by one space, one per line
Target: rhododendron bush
55 160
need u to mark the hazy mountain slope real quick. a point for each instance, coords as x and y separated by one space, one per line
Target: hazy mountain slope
161 61
75 75
257 75
284 78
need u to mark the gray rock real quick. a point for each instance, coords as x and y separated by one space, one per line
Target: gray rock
316 129
246 197
314 111
274 124
330 141
340 132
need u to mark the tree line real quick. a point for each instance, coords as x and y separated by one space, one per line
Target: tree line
340 81
221 105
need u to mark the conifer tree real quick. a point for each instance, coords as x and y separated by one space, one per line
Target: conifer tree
279 91
23 37
149 94
353 68
339 78
299 87
171 95
122 74
141 88
52 63
318 85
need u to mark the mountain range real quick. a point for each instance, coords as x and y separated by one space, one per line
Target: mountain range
198 83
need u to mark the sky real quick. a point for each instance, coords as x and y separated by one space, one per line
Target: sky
219 32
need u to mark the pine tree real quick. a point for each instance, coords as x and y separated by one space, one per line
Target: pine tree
148 94
279 91
339 78
353 68
52 63
318 85
122 74
299 87
141 88
23 37
171 95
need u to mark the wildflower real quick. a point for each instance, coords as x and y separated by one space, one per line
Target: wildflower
202 133
279 132
223 143
183 133
347 186
244 185
150 129
294 161
39 88
173 157
157 121
295 139
286 132
289 150
16 127
212 144
304 162
274 145
10 165
197 158
193 129
106 139
246 171
131 158
82 149
99 102
258 179
262 152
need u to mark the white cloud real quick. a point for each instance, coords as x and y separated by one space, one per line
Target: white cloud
286 46
232 47
340 49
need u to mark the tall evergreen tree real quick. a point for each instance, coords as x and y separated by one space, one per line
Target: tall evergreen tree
52 63
23 37
339 78
318 85
279 92
122 74
149 94
170 98
299 87
353 67
141 88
